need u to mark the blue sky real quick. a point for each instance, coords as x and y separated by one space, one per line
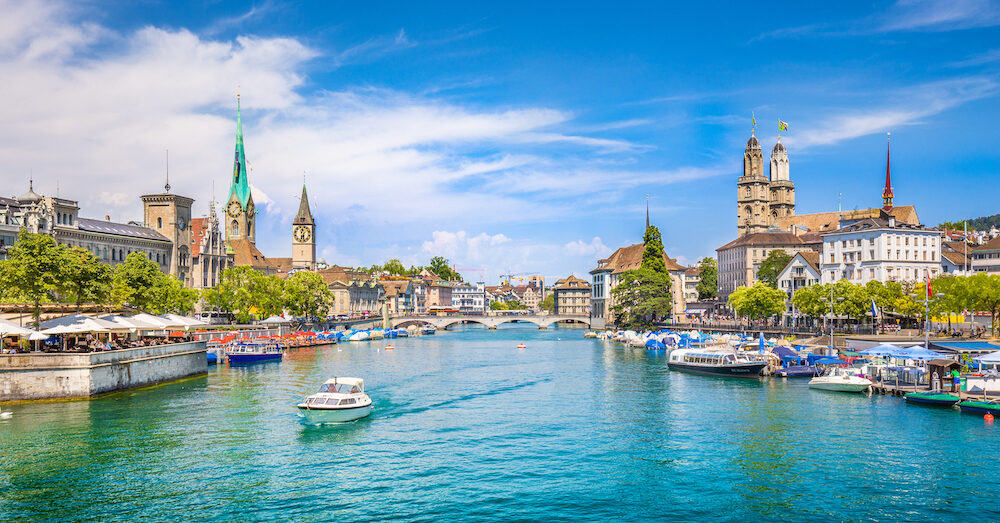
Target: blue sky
511 136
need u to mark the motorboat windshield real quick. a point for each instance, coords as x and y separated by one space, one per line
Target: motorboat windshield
341 388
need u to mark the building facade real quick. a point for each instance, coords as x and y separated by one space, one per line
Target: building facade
882 250
740 259
801 271
469 299
355 292
986 257
571 297
170 215
605 278
110 242
208 251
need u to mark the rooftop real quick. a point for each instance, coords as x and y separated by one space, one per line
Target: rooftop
764 239
120 229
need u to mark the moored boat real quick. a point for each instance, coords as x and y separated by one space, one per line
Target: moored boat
798 371
339 400
939 399
840 380
715 362
980 407
428 330
246 353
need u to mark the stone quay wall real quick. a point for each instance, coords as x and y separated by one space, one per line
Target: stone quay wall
54 376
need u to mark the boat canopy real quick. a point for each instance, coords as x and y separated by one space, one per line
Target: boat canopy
786 354
343 385
886 349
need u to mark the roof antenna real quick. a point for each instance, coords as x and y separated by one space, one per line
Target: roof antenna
166 186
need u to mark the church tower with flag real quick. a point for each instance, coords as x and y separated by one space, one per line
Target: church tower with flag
240 212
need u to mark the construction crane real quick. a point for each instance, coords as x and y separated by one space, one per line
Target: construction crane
482 272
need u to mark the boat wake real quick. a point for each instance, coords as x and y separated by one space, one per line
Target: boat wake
461 399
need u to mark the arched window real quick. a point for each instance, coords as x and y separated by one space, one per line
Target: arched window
235 228
159 223
113 255
748 192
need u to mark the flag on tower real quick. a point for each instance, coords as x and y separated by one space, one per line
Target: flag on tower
753 119
782 126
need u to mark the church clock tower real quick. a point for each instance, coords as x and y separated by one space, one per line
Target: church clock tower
240 213
304 236
753 192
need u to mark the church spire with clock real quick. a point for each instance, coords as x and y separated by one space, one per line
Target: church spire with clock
240 212
304 235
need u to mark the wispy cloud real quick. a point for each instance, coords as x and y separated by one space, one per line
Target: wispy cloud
905 15
255 12
993 55
373 48
901 108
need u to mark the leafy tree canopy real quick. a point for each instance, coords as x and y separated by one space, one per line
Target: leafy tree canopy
759 301
306 294
771 267
708 286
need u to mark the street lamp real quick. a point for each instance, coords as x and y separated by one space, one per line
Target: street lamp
927 311
832 301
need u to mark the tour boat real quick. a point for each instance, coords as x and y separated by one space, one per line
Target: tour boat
980 407
840 380
429 329
246 353
939 399
338 400
715 362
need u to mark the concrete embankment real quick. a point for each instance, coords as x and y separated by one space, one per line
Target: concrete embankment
63 376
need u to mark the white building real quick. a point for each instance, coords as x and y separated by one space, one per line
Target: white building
469 299
880 249
802 271
986 257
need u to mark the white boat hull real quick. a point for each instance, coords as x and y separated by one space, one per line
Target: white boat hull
334 415
840 383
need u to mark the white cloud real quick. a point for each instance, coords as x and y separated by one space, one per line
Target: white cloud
595 248
939 15
902 108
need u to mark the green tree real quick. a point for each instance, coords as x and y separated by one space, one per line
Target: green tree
173 296
984 295
85 277
439 266
306 294
514 305
708 286
33 271
757 302
236 292
771 267
549 303
498 306
394 267
642 296
809 300
137 283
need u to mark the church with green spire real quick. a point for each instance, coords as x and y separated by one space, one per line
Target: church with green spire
240 214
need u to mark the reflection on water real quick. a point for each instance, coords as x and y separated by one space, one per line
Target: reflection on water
466 426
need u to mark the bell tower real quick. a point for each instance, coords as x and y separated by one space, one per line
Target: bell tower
240 220
752 191
781 186
304 236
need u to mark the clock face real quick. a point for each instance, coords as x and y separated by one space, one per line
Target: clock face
250 208
180 223
234 208
302 234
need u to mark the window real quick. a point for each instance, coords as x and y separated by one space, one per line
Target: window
235 228
159 223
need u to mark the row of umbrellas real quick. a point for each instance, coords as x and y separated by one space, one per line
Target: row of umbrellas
79 324
916 352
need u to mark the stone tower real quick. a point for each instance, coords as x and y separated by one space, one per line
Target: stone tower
752 192
170 215
782 189
240 213
304 236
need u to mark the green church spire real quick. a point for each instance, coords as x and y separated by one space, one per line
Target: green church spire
240 187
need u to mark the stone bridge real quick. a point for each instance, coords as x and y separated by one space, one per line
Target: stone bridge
491 321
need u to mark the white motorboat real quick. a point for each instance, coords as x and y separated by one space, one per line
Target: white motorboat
840 380
338 400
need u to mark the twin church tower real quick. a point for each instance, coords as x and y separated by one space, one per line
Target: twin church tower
762 200
241 215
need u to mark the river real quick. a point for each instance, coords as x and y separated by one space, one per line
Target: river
467 427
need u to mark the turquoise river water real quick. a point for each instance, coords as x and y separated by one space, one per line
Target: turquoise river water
466 427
